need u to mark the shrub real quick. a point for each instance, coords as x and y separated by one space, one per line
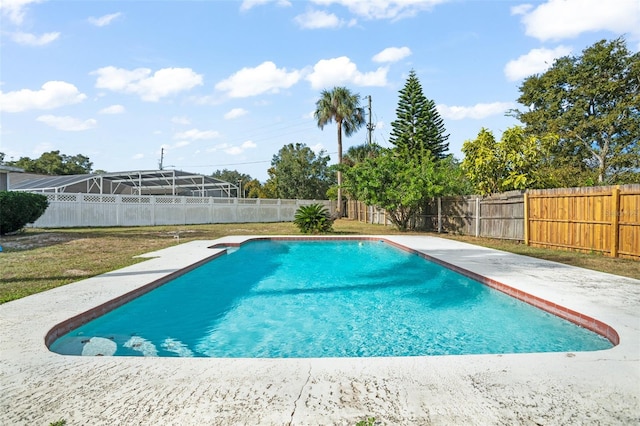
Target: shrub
19 208
313 219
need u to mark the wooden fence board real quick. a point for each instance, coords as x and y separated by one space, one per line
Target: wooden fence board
601 219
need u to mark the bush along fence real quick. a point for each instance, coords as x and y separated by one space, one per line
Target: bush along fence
604 219
77 210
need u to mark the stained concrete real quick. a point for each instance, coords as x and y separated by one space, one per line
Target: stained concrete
601 387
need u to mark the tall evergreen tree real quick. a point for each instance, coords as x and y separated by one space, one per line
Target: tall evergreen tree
418 127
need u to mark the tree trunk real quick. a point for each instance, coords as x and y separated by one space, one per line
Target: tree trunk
339 208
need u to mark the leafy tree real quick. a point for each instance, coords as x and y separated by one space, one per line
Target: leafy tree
592 102
452 177
234 177
296 172
482 162
398 184
270 187
54 163
517 161
253 189
418 128
343 107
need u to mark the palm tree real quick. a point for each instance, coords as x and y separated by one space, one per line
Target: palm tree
343 107
359 153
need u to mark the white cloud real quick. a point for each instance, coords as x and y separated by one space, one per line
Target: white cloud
249 4
197 135
317 148
67 124
534 62
150 87
265 78
113 109
138 156
32 39
15 9
237 150
232 149
213 99
235 113
475 112
521 9
180 120
53 94
103 20
383 9
561 19
392 54
339 71
315 19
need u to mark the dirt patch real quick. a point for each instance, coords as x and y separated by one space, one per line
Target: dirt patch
76 272
31 241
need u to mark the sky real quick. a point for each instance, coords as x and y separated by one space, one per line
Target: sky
223 84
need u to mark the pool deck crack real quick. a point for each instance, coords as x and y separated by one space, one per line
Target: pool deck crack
295 403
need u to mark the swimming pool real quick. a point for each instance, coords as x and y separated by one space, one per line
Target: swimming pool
280 299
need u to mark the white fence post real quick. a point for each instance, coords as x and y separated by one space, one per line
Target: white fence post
119 207
152 201
235 210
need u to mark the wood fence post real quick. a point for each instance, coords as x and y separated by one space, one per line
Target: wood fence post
615 213
477 216
526 218
439 215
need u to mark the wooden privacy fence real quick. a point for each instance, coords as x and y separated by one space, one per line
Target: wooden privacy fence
600 219
500 216
603 219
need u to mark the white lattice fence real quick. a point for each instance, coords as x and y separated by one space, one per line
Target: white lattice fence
73 210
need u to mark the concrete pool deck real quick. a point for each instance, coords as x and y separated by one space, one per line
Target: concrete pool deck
600 387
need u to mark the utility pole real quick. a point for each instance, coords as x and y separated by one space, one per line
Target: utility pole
161 158
370 125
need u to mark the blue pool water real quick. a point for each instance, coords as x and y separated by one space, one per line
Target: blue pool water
324 299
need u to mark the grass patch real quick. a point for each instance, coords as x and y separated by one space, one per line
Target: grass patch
38 260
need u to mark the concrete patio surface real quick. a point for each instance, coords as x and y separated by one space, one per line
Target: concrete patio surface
38 387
